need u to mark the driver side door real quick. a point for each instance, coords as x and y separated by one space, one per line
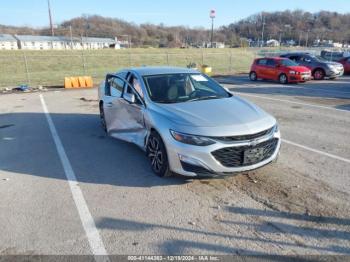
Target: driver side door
125 119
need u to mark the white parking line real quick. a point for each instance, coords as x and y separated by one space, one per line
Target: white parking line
317 151
95 241
292 102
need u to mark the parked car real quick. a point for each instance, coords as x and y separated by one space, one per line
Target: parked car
186 122
277 68
346 64
332 55
319 66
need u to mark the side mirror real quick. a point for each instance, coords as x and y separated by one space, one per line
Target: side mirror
129 97
308 60
278 65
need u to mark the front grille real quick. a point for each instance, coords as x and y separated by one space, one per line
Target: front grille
243 137
244 155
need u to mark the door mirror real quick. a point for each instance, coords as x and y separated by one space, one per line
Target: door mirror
307 60
278 65
129 97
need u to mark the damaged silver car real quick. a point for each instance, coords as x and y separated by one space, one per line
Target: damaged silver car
186 122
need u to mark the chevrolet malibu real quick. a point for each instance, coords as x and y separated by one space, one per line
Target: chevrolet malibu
186 122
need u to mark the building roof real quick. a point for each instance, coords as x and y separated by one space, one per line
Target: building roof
7 38
161 70
97 40
40 38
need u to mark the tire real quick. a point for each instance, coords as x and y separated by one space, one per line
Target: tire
102 117
283 79
156 153
253 76
319 74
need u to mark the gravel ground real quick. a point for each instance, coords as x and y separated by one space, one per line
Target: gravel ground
297 206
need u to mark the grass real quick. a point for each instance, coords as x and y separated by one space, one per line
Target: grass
49 67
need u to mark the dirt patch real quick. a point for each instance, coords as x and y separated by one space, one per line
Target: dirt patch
283 190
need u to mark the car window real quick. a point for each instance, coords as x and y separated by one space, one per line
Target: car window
116 87
262 61
288 62
306 58
182 87
271 62
132 90
294 58
136 84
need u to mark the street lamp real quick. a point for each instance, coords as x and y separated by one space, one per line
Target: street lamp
212 16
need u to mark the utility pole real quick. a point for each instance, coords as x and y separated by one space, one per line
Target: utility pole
263 28
50 17
71 37
307 38
212 16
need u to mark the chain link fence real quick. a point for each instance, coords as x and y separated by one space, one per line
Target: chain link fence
48 68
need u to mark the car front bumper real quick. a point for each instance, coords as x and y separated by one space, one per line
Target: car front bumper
194 161
299 78
334 73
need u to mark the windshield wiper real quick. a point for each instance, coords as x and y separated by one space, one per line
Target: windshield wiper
203 98
165 101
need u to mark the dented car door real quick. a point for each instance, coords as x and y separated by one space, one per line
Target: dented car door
125 119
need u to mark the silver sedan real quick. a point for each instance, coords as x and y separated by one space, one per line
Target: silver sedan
186 122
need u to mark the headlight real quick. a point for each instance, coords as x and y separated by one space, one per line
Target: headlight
332 67
292 72
191 139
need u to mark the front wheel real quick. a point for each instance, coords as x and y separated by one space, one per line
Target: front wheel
283 79
319 74
253 76
157 155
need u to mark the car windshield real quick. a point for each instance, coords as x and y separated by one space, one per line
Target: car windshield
319 58
177 88
288 62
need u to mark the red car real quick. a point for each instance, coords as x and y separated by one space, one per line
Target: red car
345 61
281 69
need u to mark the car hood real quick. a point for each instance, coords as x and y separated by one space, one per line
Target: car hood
333 63
231 111
299 68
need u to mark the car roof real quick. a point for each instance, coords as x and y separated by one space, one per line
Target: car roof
162 70
297 53
274 57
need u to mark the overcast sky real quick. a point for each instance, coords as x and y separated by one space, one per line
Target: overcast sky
170 12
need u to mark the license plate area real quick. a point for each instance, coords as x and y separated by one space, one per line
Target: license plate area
253 155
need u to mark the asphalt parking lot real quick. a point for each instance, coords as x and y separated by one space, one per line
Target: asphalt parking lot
67 188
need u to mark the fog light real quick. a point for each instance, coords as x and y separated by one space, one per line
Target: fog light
193 161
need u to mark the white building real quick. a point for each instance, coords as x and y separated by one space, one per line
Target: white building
272 43
8 42
98 43
34 42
